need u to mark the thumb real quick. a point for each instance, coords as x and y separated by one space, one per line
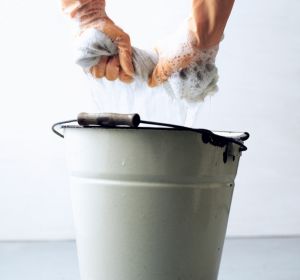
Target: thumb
122 40
168 66
158 75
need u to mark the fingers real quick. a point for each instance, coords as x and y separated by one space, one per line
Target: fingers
162 71
109 67
124 77
166 67
98 71
157 77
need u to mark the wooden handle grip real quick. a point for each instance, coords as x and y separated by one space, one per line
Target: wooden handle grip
108 119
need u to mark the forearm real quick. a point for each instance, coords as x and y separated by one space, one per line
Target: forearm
208 21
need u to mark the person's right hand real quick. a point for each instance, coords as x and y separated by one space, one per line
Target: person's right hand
91 14
204 31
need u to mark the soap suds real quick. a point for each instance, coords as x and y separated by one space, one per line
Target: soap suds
176 101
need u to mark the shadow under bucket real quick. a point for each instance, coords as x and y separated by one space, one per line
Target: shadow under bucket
150 203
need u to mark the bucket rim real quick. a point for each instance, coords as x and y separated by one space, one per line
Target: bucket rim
133 121
217 138
224 133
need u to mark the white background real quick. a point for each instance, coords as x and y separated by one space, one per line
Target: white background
259 65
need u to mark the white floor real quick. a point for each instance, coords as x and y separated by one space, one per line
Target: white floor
243 259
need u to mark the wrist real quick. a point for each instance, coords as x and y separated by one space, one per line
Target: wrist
82 9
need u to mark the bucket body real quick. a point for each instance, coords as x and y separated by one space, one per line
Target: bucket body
148 203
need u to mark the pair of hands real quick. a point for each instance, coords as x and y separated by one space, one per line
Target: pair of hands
205 30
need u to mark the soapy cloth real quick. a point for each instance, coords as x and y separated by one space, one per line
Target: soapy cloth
176 100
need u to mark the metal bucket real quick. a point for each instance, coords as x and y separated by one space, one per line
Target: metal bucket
150 203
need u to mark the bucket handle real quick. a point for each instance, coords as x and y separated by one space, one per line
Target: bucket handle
134 120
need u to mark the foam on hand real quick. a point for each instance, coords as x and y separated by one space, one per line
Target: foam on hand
175 101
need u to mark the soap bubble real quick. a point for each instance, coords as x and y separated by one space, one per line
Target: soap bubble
176 101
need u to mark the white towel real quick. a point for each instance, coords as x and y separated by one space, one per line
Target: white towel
172 102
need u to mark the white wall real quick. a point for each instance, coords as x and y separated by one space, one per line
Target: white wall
259 64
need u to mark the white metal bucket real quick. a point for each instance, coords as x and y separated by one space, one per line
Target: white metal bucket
149 203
